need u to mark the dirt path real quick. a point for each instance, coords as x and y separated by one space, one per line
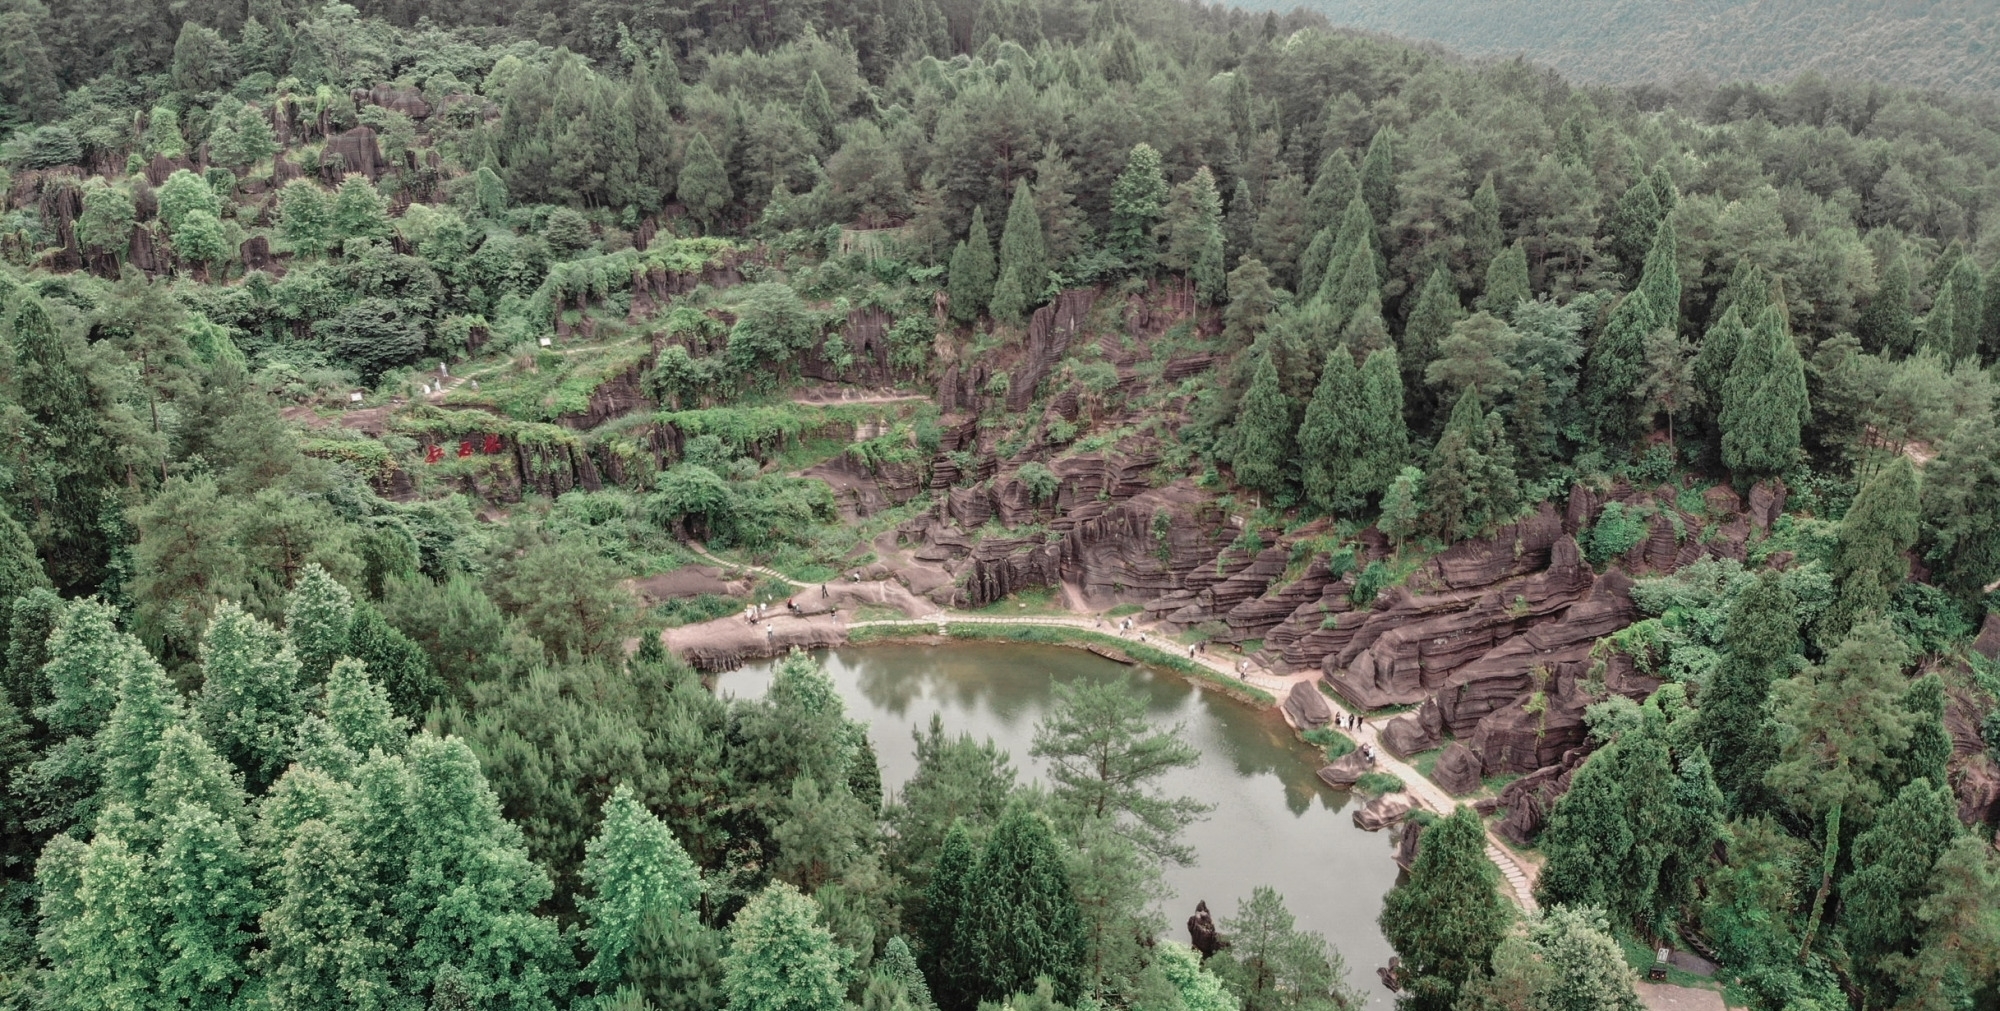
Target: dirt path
1519 874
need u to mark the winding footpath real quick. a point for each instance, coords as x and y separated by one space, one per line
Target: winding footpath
1519 874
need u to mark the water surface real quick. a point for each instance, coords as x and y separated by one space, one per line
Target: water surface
1274 823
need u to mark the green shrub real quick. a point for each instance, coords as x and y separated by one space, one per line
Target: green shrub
1617 530
1369 583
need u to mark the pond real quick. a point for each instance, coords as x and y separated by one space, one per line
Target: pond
1274 823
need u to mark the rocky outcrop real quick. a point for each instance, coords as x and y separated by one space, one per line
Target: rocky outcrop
1412 733
1384 811
350 152
1458 770
725 643
1049 332
1988 643
1345 771
1307 707
1406 649
1202 935
1529 800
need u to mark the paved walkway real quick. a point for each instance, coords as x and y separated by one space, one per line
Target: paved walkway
1519 874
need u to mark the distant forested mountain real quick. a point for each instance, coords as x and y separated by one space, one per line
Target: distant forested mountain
1947 44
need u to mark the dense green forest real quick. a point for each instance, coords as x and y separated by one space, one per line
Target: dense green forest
1948 46
359 361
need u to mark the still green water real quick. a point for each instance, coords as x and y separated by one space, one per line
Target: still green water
1274 823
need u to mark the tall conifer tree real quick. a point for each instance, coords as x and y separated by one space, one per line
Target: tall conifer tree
1329 438
1447 918
1430 323
1868 559
1506 282
1021 920
1265 428
973 270
1764 407
1761 646
1885 326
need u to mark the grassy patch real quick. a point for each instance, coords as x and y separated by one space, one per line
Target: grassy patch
695 610
1641 957
1379 783
1427 761
1335 744
877 612
1124 609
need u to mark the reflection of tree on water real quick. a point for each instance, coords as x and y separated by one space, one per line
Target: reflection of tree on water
1266 828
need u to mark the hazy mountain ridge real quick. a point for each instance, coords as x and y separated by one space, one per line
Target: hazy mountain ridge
1951 45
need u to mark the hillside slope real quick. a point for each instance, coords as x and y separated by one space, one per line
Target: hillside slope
1947 44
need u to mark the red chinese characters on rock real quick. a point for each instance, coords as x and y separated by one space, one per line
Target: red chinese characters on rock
492 444
433 453
465 448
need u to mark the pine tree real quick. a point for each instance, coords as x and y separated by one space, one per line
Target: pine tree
102 934
204 879
188 773
1840 725
1633 225
1616 361
1506 282
1697 813
1378 176
1447 918
780 958
1356 227
1314 262
1938 331
252 695
1265 454
321 945
816 112
70 458
972 271
1868 559
1761 645
1328 438
1880 915
946 898
704 182
1588 837
358 711
1333 185
900 966
1885 326
129 745
1383 438
1716 358
471 890
1966 296
395 662
1023 253
1280 234
1239 222
1430 323
1929 747
1483 237
20 571
1764 406
318 614
1351 280
1021 920
1470 482
1009 304
1138 198
1989 319
635 868
1961 512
